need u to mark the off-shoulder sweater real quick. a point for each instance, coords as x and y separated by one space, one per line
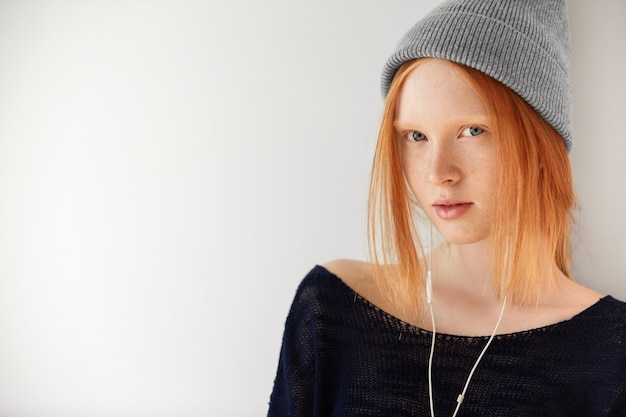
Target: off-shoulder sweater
343 356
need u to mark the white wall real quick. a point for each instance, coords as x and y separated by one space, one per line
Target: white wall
599 154
169 170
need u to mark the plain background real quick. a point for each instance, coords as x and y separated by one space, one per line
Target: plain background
170 170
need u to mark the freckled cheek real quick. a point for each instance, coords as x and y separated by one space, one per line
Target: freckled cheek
415 175
485 180
412 160
487 169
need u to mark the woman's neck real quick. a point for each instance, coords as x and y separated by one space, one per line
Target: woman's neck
465 268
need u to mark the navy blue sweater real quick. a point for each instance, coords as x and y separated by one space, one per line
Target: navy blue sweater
342 356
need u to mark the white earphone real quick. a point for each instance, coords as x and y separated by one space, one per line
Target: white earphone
429 300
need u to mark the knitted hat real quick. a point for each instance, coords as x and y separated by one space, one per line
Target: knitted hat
524 44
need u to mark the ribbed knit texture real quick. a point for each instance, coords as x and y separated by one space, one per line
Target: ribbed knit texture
342 356
524 44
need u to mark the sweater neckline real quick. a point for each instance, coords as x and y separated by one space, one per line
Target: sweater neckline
405 326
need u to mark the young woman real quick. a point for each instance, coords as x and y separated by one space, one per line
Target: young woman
474 140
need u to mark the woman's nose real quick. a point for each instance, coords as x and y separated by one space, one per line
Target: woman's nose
442 165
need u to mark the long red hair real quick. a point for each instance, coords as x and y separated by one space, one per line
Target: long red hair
535 197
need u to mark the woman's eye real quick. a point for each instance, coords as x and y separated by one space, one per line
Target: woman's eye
472 131
415 136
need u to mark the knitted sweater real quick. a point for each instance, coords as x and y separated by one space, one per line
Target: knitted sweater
342 356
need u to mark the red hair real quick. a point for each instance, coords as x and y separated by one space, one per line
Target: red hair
535 196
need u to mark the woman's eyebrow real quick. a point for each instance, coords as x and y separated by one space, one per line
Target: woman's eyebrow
477 118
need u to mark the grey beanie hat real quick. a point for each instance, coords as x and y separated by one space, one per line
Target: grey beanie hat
524 44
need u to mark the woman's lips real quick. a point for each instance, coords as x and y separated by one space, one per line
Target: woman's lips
451 211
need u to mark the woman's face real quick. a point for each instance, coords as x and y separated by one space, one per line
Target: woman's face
447 150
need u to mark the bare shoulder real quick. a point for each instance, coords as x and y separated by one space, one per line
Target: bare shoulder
352 272
565 301
577 296
359 276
